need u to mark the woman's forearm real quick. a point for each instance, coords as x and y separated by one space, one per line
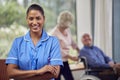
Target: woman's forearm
32 75
74 58
46 76
15 73
19 74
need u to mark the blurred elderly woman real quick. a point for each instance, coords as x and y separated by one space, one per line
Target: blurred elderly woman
62 32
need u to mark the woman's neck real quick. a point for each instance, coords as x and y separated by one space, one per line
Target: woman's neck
35 37
61 29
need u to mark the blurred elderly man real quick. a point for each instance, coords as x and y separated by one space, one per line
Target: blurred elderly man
96 58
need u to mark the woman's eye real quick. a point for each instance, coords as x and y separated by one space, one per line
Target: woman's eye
38 18
30 18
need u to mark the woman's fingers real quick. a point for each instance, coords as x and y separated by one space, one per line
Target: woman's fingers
49 68
52 69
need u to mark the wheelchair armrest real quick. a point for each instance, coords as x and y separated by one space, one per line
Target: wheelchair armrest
84 60
100 69
96 69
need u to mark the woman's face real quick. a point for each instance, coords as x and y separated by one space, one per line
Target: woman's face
35 21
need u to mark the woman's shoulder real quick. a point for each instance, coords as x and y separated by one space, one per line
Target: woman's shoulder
54 31
19 39
53 37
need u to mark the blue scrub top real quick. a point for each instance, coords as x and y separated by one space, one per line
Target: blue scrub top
29 57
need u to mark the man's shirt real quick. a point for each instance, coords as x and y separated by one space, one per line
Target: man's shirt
95 57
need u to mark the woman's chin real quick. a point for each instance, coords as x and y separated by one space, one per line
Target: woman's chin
35 31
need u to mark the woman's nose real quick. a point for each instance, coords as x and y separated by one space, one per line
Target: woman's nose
34 22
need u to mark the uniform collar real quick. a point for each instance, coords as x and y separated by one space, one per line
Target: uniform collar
44 36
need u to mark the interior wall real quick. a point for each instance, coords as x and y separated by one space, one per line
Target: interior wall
116 30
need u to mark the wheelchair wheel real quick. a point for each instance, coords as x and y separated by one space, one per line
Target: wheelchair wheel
89 77
119 78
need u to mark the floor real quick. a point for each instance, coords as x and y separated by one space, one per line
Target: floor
77 74
77 71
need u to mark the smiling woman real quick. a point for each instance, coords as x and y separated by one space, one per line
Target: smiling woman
35 19
36 54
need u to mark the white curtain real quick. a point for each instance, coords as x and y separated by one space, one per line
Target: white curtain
83 9
103 25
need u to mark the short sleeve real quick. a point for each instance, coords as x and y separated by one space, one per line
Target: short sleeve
12 55
55 55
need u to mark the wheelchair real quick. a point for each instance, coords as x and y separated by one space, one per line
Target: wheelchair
101 71
87 76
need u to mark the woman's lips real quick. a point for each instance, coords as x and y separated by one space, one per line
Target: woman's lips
35 27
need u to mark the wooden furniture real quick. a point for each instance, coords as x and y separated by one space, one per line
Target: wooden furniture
4 75
3 71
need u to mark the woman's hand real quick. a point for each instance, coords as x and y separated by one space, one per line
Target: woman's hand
74 58
54 70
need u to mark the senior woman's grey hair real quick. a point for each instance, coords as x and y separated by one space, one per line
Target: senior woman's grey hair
65 18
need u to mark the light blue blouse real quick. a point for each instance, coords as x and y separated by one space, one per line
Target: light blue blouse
29 57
